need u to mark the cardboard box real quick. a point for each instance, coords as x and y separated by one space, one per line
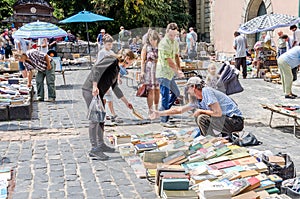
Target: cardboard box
14 66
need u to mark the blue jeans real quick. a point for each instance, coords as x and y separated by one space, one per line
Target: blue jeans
167 98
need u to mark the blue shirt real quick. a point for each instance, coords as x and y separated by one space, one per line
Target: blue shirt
211 96
292 57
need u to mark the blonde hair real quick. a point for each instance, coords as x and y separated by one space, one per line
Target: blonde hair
153 34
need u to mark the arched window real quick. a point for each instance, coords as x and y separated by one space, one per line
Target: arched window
261 11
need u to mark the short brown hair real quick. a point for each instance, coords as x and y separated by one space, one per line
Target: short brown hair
107 38
125 53
171 26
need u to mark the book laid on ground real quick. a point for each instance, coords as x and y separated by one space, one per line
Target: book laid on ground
236 186
245 161
174 184
248 173
235 168
222 165
214 190
248 195
254 183
196 157
201 170
266 184
195 179
174 157
238 155
189 194
223 151
139 148
232 175
216 160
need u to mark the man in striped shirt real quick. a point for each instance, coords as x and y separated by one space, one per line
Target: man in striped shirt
34 59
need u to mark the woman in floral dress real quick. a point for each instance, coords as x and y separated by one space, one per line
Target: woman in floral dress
148 69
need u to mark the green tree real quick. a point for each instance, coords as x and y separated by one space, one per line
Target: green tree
6 9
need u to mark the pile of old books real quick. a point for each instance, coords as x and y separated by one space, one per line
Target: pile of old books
205 167
15 98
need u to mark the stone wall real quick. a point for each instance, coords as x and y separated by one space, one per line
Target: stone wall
66 49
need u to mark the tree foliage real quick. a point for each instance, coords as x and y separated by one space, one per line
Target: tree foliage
131 14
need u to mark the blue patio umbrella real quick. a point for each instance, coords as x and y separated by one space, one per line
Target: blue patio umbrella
39 29
86 16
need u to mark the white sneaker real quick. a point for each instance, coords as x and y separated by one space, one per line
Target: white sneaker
168 124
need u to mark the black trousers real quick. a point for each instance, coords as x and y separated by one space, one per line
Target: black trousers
222 124
241 61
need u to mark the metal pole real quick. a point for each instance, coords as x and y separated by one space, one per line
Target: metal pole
87 34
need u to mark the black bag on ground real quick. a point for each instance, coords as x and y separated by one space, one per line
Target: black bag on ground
244 139
286 172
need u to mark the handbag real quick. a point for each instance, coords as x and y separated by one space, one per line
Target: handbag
142 91
96 111
244 139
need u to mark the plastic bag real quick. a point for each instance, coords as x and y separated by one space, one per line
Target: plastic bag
96 111
244 139
286 172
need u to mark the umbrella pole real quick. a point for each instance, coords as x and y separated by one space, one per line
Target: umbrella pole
89 50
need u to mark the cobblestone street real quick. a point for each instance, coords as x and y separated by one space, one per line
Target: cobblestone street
50 152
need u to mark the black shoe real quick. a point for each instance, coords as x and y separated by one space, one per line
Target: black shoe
99 155
294 95
290 97
105 148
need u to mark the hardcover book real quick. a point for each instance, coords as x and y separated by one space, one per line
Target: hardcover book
254 183
248 173
145 147
222 165
266 184
189 194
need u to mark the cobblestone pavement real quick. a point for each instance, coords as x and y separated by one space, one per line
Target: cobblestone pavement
50 152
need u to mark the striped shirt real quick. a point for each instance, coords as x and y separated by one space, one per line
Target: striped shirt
36 60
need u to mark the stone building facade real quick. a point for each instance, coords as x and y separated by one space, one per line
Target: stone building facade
216 20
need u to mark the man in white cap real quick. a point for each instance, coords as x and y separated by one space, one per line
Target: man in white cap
100 39
213 109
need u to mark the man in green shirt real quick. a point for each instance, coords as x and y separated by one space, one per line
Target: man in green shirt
168 66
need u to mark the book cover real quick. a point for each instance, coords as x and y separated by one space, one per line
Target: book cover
266 184
173 156
238 155
248 195
261 167
196 157
223 151
193 165
201 170
209 189
145 147
232 175
235 168
216 160
195 179
167 194
254 183
248 173
245 161
239 185
222 165
196 147
174 184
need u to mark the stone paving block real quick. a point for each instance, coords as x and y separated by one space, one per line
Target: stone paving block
74 189
56 187
76 195
57 194
71 177
20 195
110 193
39 194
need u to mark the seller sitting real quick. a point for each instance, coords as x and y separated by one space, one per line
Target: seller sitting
214 109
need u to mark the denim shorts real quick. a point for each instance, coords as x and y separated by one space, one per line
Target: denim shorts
21 66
